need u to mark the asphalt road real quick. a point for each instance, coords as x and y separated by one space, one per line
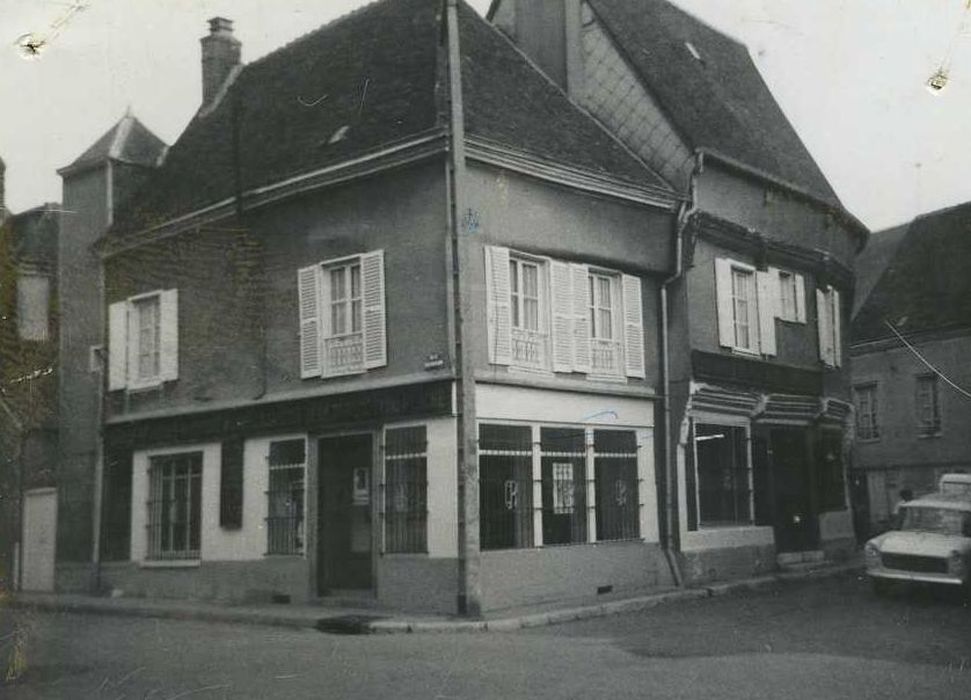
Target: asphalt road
819 639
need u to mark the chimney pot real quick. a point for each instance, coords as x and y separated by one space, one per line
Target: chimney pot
220 54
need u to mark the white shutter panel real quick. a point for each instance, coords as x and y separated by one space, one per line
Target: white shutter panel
375 316
633 326
800 299
308 290
117 345
581 317
169 335
767 286
131 341
823 326
498 321
561 303
723 294
837 330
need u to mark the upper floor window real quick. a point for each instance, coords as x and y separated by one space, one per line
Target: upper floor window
867 427
548 314
143 340
746 299
828 319
342 316
33 304
927 401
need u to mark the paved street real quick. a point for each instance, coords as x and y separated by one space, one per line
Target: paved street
815 639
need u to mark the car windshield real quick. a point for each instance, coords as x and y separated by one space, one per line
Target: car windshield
946 521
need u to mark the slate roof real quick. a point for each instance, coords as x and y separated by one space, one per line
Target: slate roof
127 141
379 75
870 264
926 286
718 102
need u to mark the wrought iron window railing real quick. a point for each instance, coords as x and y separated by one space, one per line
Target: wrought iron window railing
285 497
175 506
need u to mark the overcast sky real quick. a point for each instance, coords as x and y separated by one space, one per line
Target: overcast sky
850 74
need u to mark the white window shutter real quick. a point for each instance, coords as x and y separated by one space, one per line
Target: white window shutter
375 316
169 335
561 303
498 320
132 343
726 310
767 286
824 328
837 330
308 291
581 318
800 299
117 345
633 326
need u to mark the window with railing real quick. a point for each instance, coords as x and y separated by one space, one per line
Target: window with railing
344 337
563 454
527 303
174 506
287 463
617 485
605 345
505 486
406 490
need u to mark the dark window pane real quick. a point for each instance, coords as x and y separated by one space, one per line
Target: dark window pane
617 487
724 490
505 487
406 487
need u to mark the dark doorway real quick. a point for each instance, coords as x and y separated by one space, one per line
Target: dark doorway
344 499
796 524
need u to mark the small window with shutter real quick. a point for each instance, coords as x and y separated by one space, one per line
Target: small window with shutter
143 341
828 322
748 303
342 316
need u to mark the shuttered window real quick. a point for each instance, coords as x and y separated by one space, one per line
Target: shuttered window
143 341
828 323
748 303
549 314
342 316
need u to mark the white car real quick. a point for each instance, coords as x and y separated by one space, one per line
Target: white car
932 544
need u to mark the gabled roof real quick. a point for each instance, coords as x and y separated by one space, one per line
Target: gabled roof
718 100
128 141
926 286
373 78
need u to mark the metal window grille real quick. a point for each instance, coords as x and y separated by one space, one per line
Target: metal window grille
406 490
285 497
505 487
174 506
617 487
564 459
724 475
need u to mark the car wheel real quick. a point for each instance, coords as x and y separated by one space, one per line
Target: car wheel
881 587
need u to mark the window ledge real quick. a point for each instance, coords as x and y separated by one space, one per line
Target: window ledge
867 441
930 436
144 386
169 564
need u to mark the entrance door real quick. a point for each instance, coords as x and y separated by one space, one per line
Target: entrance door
344 507
40 528
796 525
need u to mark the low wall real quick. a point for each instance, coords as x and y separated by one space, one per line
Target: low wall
418 584
517 577
722 564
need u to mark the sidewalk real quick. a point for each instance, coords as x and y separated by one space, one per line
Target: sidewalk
343 620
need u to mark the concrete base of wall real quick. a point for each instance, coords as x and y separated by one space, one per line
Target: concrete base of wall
75 577
840 550
521 577
704 566
418 584
230 582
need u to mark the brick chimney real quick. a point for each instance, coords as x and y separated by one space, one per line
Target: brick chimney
220 54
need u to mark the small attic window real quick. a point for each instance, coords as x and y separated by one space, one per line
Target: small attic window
692 50
339 135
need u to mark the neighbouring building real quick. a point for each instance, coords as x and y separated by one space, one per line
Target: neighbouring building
759 411
911 338
28 398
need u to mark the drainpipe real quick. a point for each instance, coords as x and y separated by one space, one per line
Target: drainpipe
685 213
